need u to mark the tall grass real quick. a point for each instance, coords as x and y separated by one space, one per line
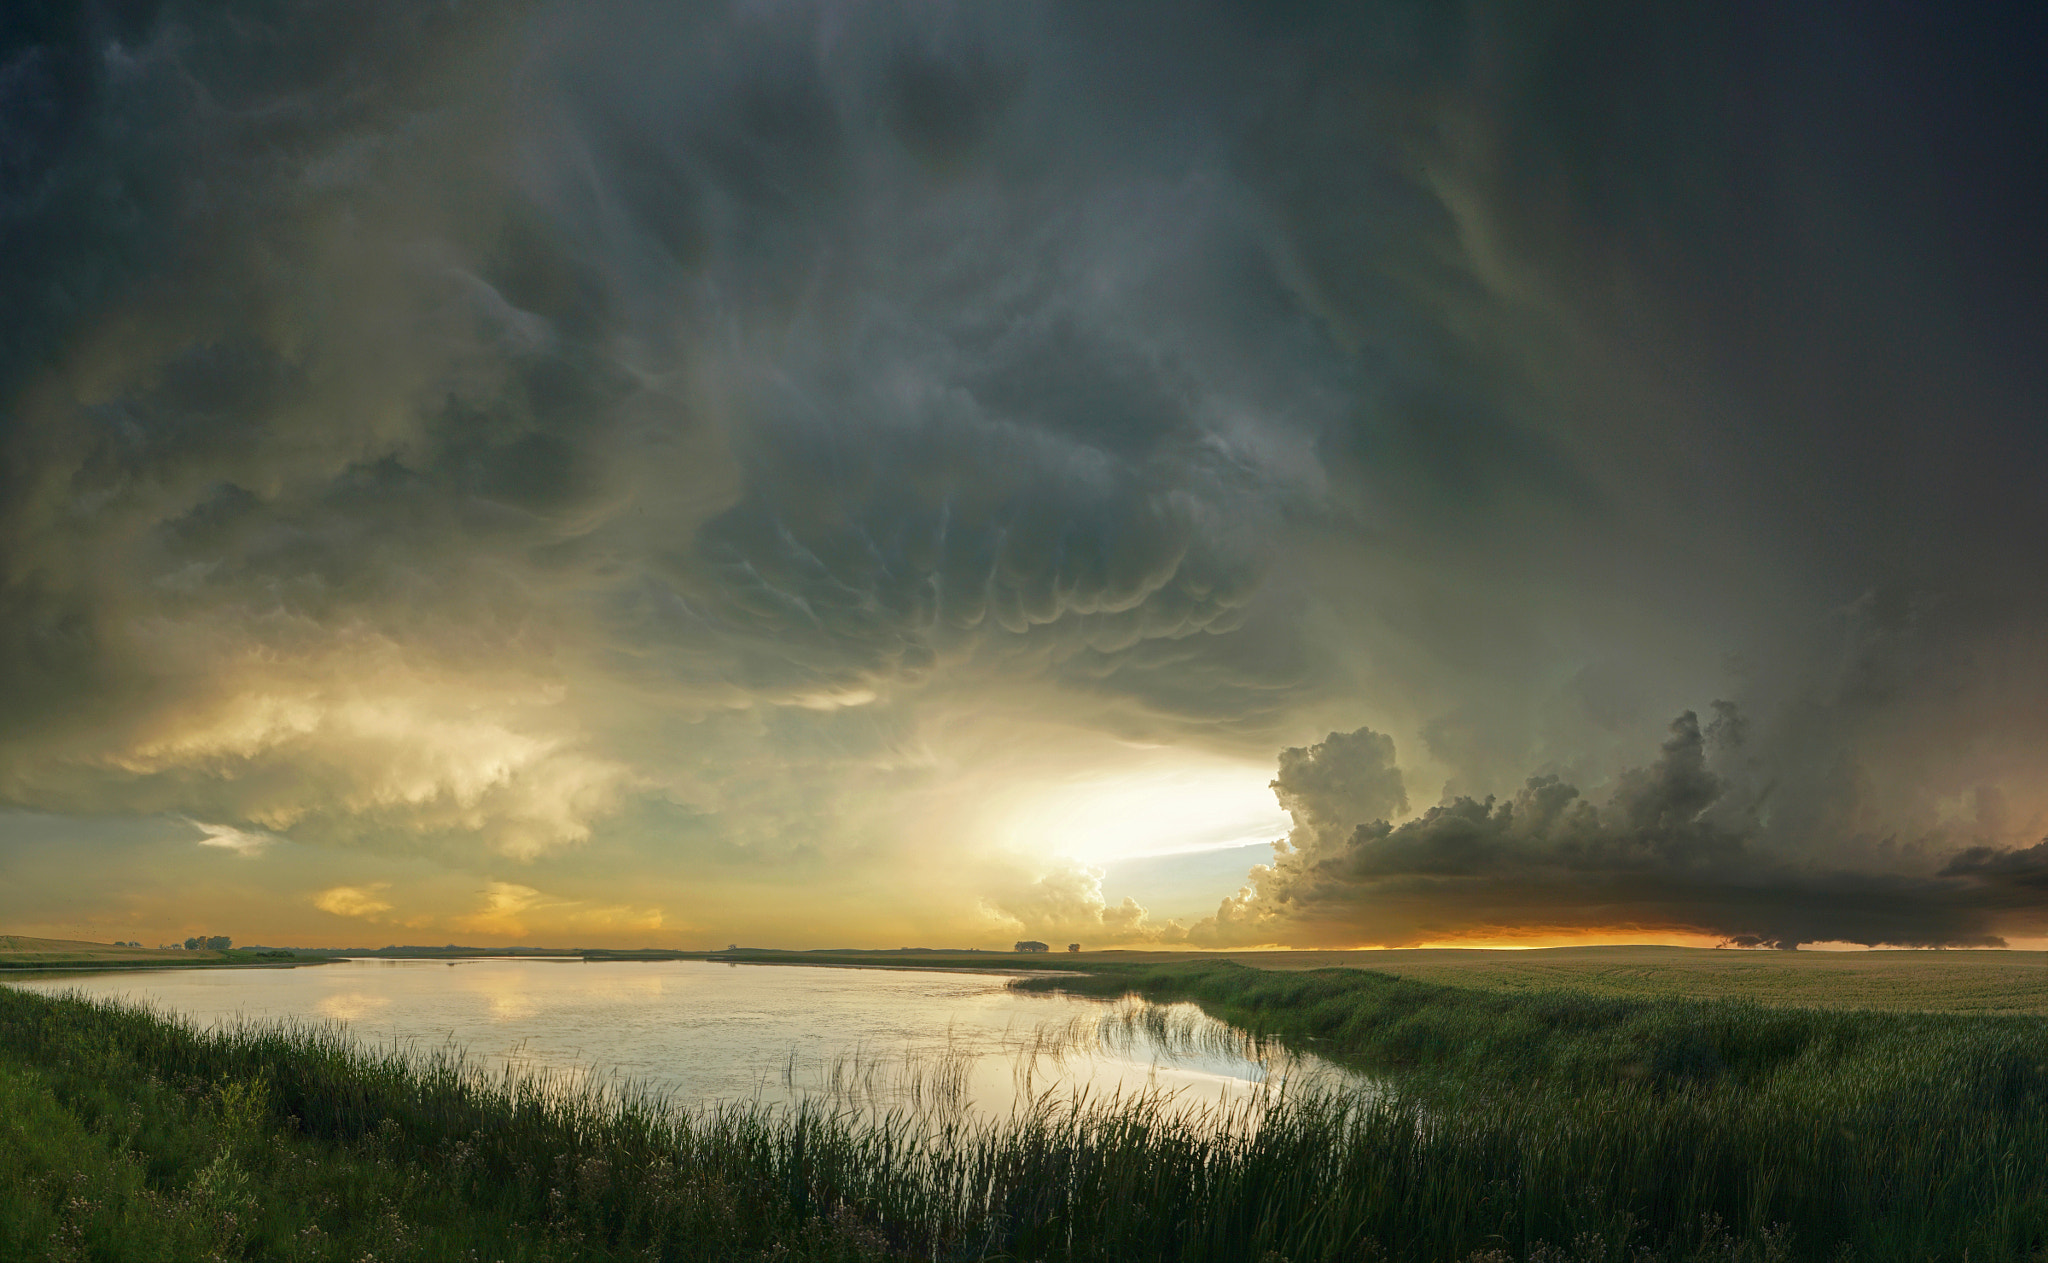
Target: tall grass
1527 1128
1891 1135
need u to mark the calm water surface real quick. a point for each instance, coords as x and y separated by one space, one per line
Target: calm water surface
710 1032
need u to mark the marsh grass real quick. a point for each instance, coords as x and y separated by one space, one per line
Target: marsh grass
876 1083
1553 1129
1886 1135
1204 1061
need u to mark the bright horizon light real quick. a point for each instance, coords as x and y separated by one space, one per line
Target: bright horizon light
1184 808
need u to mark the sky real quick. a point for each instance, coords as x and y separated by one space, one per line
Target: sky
817 473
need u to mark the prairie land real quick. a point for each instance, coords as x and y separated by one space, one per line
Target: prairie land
19 955
16 950
1922 981
1892 981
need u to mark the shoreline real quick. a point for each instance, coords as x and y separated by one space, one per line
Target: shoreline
134 967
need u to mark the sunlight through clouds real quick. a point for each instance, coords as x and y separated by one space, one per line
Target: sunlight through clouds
243 842
354 901
1185 805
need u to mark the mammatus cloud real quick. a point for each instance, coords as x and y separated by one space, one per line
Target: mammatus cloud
666 444
1682 845
504 413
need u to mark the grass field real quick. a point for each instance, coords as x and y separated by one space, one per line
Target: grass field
15 950
1943 982
1965 981
1547 1127
23 956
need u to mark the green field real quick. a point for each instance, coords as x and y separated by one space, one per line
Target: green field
16 950
1919 981
1556 1126
1963 981
20 956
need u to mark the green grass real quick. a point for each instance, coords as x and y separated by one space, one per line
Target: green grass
1917 981
1895 1135
1553 1128
24 957
1961 981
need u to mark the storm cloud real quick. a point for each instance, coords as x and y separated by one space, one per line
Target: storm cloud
1678 847
706 446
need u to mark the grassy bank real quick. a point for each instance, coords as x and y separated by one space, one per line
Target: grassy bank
1889 1135
1550 1128
20 956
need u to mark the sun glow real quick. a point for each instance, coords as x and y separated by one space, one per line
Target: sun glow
1182 807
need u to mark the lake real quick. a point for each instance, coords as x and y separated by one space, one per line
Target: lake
708 1032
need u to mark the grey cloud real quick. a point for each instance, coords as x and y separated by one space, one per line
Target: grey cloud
944 108
612 350
2021 874
1012 449
1331 787
1205 372
1068 905
1676 847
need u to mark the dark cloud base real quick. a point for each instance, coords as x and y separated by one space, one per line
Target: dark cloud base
1676 848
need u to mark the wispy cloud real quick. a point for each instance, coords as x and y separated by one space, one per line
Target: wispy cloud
246 843
354 901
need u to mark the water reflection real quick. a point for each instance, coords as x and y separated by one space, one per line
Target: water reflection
351 1006
869 1040
1174 1056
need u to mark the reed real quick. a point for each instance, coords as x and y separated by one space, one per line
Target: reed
1543 1128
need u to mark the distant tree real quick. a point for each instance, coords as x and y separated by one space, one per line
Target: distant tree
1073 947
1030 945
218 943
194 944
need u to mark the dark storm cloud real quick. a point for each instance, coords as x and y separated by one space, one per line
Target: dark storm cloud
789 357
1766 275
458 422
1676 847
